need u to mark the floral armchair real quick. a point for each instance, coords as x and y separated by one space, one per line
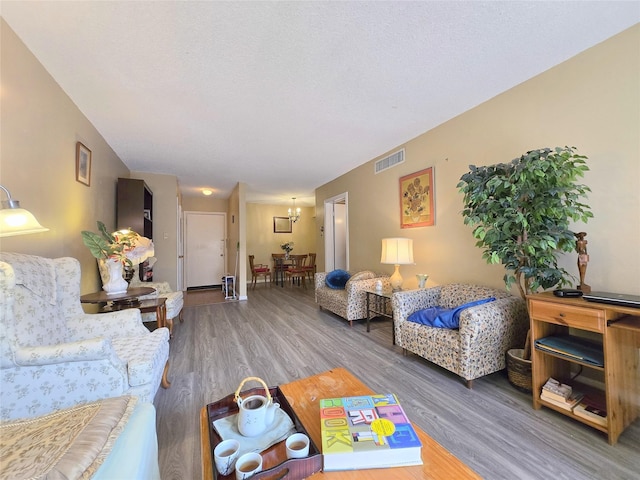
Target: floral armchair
174 303
53 355
351 302
486 331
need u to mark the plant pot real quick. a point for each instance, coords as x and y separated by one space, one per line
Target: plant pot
519 370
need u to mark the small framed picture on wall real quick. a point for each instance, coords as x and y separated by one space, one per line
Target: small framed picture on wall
83 164
281 225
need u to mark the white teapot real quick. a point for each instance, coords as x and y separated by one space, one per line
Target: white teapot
256 413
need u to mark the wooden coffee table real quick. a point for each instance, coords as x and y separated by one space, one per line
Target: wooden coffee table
304 396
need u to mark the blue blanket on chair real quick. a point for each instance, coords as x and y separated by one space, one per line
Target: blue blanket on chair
441 317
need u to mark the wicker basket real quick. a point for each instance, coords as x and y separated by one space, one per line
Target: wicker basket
519 370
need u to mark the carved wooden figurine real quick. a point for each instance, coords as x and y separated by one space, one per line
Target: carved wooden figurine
583 259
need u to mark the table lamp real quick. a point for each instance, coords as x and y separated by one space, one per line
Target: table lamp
397 251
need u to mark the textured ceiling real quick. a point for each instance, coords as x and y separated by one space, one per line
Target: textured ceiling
286 96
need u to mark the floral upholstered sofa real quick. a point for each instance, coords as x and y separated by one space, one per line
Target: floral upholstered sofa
485 332
349 303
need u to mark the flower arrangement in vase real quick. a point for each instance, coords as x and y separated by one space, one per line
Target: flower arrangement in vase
288 248
115 251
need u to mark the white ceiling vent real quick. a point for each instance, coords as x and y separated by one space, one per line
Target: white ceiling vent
389 161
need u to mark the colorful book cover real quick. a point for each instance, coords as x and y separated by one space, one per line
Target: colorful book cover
368 431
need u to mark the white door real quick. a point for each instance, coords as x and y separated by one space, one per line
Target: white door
340 236
181 285
205 253
336 233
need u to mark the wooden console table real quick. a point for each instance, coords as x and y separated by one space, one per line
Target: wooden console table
151 305
304 396
129 299
104 297
617 328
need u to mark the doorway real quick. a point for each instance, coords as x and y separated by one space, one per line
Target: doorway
205 249
336 228
180 265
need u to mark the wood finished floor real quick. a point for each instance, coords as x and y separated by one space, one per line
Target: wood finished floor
208 296
280 335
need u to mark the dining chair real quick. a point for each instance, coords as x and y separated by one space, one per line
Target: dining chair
258 270
296 271
310 266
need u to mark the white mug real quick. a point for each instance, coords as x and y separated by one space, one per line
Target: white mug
225 455
297 446
248 465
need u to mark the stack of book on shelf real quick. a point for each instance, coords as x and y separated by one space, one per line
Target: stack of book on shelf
592 409
368 431
560 394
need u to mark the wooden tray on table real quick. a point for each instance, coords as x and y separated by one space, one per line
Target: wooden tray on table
275 464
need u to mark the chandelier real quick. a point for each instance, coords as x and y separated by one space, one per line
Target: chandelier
294 213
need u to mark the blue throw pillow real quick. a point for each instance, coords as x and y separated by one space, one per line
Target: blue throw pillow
441 317
337 279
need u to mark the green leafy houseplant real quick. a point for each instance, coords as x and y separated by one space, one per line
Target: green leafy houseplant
521 211
124 245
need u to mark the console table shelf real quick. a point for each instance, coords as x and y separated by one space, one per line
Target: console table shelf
618 328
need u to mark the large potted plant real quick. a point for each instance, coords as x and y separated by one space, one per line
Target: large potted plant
521 212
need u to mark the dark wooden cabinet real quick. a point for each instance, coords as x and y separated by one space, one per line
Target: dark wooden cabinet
134 210
134 207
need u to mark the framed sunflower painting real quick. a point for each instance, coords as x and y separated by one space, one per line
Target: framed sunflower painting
416 199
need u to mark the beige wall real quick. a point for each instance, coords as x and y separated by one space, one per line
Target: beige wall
262 242
39 128
237 237
590 101
204 204
165 225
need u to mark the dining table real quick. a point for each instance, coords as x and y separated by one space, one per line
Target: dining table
280 265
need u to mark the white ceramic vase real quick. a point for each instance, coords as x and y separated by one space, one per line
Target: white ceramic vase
116 283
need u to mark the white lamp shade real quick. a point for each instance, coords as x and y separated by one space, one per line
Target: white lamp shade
397 251
18 221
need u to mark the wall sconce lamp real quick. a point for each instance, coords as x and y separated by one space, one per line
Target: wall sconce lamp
15 220
397 251
294 213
